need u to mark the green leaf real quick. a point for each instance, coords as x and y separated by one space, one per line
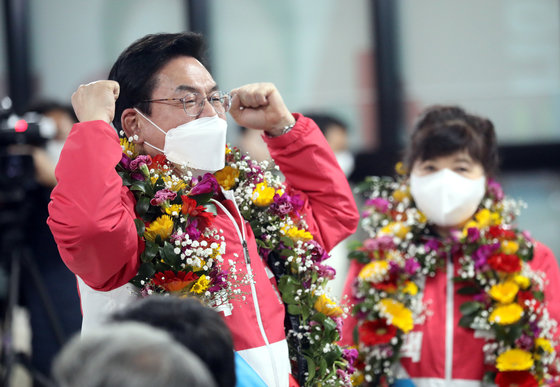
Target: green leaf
168 254
470 307
294 309
513 332
140 226
539 295
142 206
146 270
310 367
468 290
202 199
466 321
360 256
150 252
139 186
287 241
286 253
125 176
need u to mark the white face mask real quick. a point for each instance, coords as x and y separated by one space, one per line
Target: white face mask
198 145
346 161
447 198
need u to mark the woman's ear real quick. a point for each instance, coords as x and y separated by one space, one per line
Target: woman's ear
131 125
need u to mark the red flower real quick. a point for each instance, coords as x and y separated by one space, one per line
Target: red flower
376 332
515 378
159 160
386 286
508 263
189 205
172 282
500 233
527 295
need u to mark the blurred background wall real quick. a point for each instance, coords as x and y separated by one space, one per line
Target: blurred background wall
374 64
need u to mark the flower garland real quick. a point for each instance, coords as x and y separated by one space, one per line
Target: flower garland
182 252
297 261
507 295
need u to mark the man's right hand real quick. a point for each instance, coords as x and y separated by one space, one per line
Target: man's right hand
96 101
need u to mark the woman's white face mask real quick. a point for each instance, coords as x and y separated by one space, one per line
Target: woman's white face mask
198 145
447 198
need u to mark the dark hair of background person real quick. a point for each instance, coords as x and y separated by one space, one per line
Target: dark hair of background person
136 68
444 130
46 106
128 354
323 121
197 327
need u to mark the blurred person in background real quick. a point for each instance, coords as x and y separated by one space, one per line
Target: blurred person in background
159 95
251 142
200 329
445 288
128 354
336 133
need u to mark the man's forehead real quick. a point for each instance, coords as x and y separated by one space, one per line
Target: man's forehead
184 74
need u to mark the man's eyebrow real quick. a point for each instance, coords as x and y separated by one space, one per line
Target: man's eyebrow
192 89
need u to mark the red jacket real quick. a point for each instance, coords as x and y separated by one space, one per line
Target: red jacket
464 360
92 220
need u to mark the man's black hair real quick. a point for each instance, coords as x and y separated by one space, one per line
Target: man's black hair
197 327
136 67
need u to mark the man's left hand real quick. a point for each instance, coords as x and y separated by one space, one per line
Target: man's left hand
260 106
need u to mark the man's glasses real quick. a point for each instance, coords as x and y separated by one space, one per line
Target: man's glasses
193 103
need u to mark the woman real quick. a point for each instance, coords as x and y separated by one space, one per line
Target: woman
446 291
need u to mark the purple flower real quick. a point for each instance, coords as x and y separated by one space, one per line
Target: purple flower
432 245
495 189
219 280
394 268
411 266
384 242
339 323
481 255
125 161
527 235
162 195
524 342
282 205
350 354
380 204
140 161
534 328
473 234
192 230
206 184
318 253
326 271
137 176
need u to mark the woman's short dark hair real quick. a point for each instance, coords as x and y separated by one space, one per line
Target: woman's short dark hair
443 130
136 67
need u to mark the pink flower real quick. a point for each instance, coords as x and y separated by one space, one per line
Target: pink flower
380 204
206 184
140 161
162 195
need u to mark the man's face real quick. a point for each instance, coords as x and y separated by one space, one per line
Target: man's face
182 75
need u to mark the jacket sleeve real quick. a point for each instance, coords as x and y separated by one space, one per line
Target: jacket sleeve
545 262
91 214
311 169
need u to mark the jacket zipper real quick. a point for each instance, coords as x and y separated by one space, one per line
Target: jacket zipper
449 320
242 238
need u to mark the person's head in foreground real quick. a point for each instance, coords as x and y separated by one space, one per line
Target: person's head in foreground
190 323
450 157
128 354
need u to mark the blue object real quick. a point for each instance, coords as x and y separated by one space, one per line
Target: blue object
245 374
403 383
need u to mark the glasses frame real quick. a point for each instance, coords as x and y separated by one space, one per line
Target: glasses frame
183 100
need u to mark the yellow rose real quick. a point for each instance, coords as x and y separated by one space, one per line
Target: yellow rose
162 226
509 247
486 218
325 305
226 177
375 271
514 360
506 314
263 195
522 281
504 292
410 288
397 229
397 314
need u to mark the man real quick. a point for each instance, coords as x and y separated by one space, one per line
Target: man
160 84
128 354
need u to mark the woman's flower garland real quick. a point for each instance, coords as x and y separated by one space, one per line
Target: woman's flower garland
296 260
507 296
182 252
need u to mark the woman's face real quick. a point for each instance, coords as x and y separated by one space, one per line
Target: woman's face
459 162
